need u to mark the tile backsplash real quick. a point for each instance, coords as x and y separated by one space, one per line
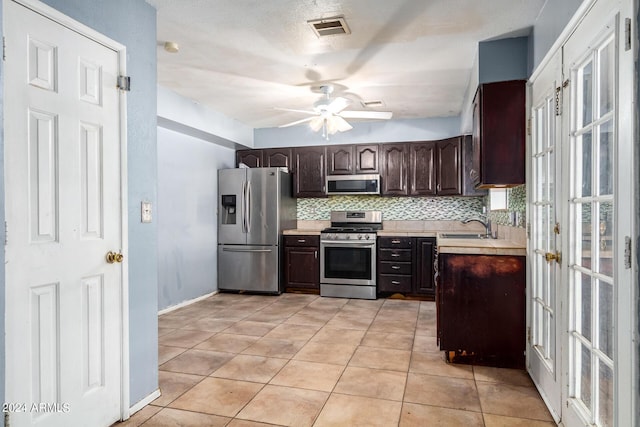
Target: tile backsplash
395 208
517 204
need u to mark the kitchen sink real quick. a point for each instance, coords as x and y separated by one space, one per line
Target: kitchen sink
462 236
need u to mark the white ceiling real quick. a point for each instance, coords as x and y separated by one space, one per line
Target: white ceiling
244 57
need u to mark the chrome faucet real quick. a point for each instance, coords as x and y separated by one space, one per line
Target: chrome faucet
487 226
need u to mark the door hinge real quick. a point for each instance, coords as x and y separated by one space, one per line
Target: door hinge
529 335
627 252
4 49
124 83
528 229
627 34
6 233
529 126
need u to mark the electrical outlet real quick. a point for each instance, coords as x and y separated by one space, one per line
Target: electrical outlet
145 212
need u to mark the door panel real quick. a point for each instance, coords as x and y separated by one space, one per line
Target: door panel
248 268
262 206
63 192
544 361
232 220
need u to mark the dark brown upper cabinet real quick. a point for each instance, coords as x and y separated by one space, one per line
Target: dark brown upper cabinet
251 158
435 168
340 160
394 169
366 159
448 171
422 169
499 128
309 178
277 157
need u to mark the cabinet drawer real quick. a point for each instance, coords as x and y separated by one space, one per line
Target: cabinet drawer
387 267
395 242
394 283
399 255
301 240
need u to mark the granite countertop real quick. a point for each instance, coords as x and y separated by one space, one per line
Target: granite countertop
445 245
481 246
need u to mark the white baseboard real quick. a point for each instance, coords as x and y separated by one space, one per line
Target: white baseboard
144 402
185 303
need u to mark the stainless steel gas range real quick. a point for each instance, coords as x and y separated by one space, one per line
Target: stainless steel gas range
348 255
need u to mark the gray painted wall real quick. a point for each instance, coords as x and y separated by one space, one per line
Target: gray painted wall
505 59
132 23
186 215
2 230
553 17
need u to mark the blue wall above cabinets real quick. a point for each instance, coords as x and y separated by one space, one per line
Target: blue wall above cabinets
501 60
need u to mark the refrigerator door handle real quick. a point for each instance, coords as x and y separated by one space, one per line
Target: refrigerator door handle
246 250
244 207
248 206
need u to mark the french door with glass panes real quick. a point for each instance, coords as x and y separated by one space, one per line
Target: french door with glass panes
544 325
580 308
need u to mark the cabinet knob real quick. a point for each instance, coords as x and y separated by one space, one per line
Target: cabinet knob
302 240
395 242
395 255
395 267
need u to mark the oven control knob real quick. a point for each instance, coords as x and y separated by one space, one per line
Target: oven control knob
359 236
348 237
366 236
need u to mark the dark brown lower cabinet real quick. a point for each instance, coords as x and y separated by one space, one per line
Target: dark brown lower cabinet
405 266
481 309
301 264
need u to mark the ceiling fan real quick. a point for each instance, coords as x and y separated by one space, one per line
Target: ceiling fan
330 114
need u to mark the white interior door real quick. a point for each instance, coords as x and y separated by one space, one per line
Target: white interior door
63 210
544 361
599 63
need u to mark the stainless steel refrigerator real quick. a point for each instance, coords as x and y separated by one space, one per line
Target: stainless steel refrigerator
254 207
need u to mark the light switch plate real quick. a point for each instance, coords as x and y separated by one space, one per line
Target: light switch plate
145 211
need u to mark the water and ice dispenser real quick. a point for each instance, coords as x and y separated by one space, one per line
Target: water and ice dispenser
228 209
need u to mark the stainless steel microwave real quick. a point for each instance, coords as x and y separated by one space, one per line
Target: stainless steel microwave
353 184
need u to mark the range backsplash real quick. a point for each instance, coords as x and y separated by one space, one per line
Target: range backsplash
394 208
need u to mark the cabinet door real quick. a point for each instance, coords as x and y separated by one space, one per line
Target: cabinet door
366 159
302 268
309 176
468 185
277 157
422 169
425 255
448 174
251 158
340 160
394 169
499 126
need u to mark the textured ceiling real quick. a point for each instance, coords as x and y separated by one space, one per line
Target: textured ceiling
244 57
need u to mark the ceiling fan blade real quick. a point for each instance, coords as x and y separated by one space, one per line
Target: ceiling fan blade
378 115
340 124
316 123
296 111
338 104
297 122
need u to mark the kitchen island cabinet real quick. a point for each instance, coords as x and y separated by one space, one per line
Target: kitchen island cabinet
301 264
481 309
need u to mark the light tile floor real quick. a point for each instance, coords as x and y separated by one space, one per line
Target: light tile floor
301 360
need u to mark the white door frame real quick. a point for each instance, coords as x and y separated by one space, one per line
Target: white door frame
62 19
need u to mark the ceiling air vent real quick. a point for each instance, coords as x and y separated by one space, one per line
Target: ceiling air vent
329 26
369 104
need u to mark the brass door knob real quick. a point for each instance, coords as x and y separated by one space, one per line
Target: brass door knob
114 257
550 256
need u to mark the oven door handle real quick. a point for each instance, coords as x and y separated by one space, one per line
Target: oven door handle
343 243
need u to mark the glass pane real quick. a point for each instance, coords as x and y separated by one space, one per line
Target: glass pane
607 75
583 366
539 144
605 389
606 158
583 313
605 239
605 318
551 186
584 176
586 75
584 230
